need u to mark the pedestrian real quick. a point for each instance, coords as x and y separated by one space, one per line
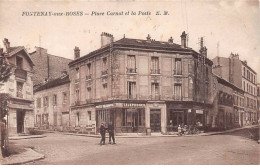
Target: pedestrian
111 132
179 130
103 134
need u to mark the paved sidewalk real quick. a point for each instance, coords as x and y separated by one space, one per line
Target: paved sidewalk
28 156
142 135
26 137
227 131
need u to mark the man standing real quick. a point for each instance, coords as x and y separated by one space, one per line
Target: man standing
111 132
103 134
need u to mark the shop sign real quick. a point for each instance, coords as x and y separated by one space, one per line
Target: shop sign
105 106
133 105
199 111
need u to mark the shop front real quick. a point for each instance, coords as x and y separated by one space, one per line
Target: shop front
189 114
125 117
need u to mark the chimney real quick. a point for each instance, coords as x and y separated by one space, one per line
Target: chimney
183 40
148 38
106 39
76 52
234 56
170 40
6 44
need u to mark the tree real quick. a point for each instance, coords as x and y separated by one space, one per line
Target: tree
5 73
4 99
5 69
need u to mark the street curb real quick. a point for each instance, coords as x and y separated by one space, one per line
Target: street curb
151 136
227 131
31 152
26 137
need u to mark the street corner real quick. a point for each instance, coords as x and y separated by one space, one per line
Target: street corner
25 157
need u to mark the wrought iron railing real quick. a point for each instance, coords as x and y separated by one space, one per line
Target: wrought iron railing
155 71
130 70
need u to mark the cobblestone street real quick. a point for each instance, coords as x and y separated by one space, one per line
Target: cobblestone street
217 149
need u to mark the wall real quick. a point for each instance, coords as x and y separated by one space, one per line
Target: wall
47 65
59 108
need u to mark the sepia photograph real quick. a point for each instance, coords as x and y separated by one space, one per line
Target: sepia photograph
131 82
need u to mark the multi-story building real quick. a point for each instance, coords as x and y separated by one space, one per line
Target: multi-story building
47 66
227 110
140 85
52 104
258 102
241 75
20 88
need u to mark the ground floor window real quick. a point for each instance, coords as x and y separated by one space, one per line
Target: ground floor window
45 119
77 119
124 120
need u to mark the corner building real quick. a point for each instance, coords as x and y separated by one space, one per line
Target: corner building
141 86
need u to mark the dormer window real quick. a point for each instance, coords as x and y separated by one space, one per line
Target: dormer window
19 62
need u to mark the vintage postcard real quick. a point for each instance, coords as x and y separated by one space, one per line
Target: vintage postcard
160 82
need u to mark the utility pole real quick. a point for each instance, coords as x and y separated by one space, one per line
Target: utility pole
218 49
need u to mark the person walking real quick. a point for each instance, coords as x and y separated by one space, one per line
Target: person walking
103 134
179 130
111 132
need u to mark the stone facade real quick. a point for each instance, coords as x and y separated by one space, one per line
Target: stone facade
20 88
237 72
47 66
52 104
141 86
227 111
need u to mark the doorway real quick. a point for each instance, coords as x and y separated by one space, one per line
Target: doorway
155 120
20 114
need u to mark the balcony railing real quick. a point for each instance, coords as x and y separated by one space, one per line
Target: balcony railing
133 97
20 73
89 77
77 102
19 94
175 72
130 70
155 71
104 73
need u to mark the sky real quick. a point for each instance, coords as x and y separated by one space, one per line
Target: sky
234 24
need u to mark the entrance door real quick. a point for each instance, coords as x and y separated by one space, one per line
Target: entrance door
241 119
155 120
20 120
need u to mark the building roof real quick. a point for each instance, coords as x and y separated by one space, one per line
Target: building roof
52 83
13 50
245 64
152 43
140 44
226 83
